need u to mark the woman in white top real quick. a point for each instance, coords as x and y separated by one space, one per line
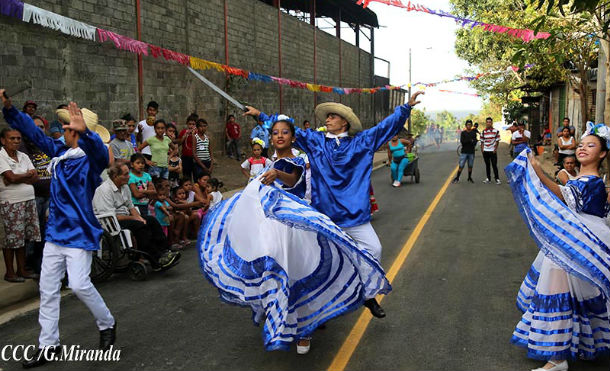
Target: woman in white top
17 204
566 144
569 171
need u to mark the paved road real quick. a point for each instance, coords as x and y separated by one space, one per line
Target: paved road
452 307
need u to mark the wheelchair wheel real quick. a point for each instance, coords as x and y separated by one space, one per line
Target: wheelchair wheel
138 271
417 175
104 260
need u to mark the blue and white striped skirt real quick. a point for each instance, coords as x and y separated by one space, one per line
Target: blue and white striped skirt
269 250
564 296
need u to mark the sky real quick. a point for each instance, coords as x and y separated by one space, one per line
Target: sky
431 39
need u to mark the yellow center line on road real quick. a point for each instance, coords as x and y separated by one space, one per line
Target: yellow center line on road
351 343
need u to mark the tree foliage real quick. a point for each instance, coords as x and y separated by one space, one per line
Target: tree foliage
445 119
419 121
567 56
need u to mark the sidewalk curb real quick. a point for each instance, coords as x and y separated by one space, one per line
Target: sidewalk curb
25 306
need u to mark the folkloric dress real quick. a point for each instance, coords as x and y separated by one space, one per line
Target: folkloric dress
266 248
564 297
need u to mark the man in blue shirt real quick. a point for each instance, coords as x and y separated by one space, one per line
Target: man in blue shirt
341 161
262 133
72 231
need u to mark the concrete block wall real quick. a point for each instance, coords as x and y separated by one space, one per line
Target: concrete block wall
104 79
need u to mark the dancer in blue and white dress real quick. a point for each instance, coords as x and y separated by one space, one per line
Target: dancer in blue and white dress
564 297
266 248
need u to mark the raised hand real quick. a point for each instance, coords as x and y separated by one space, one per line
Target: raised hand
413 99
77 122
252 112
6 101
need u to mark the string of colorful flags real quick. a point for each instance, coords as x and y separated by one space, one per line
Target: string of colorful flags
526 35
466 78
29 13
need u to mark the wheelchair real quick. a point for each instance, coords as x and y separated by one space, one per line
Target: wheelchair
118 253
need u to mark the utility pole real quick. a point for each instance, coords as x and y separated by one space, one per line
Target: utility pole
409 93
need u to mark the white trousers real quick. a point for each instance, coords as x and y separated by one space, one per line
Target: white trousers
56 261
366 238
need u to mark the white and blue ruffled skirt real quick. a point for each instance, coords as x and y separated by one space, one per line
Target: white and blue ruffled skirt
564 296
269 250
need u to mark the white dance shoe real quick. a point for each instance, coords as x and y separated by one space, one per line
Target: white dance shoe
561 366
303 349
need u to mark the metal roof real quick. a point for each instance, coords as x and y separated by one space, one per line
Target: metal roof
350 11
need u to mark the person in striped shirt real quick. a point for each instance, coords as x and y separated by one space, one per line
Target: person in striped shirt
490 140
202 150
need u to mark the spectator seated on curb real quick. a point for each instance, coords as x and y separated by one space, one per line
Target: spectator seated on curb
113 196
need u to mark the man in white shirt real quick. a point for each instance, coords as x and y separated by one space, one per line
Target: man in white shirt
520 139
146 128
114 196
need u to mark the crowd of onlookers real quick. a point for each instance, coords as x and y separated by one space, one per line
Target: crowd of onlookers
564 151
159 182
166 174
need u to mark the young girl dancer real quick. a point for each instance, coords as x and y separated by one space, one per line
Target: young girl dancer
564 296
266 248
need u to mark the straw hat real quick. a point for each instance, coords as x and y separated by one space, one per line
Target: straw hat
322 111
91 120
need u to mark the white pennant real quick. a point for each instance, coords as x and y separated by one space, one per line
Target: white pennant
55 21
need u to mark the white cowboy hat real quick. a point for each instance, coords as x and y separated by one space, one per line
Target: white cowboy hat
91 120
323 109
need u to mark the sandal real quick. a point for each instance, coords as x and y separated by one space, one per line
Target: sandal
14 279
30 275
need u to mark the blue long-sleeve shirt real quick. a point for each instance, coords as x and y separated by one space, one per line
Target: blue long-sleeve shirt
72 222
341 174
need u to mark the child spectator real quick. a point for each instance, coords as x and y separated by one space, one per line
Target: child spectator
254 165
174 165
140 184
202 154
159 147
168 211
190 211
201 194
232 134
172 132
187 184
162 212
214 194
121 148
186 140
182 213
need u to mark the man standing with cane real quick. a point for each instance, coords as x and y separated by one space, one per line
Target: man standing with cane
72 232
